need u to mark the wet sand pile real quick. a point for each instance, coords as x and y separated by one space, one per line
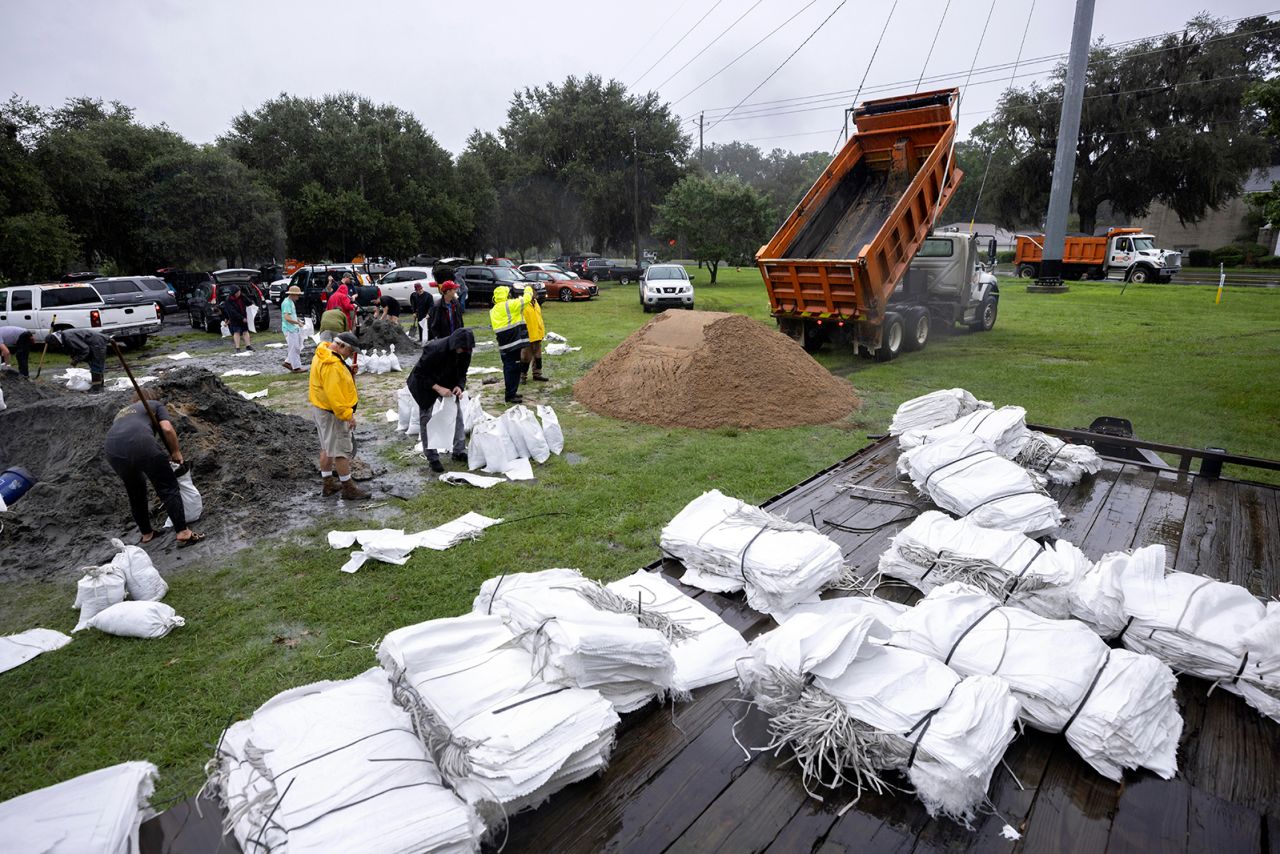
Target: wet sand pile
381 334
247 461
710 369
18 390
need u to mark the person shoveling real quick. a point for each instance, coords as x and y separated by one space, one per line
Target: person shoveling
333 402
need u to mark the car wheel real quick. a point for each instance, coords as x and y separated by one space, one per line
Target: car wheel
626 280
892 336
193 320
566 295
595 277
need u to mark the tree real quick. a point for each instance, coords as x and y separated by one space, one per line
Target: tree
1265 97
1163 120
571 148
717 219
783 176
35 246
986 155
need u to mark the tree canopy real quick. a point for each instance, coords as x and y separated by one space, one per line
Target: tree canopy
782 176
715 219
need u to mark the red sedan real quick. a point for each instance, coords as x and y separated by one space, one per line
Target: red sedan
564 287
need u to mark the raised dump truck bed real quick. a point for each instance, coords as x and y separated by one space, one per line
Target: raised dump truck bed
842 252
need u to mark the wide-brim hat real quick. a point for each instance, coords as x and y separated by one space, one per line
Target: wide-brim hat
294 291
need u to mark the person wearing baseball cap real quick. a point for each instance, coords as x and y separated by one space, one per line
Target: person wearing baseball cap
333 396
291 326
445 317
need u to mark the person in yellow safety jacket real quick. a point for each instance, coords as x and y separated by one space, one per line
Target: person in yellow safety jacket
507 317
532 353
333 396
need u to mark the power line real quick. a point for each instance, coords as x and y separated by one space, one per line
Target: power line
652 36
709 44
844 128
785 61
662 56
726 66
932 44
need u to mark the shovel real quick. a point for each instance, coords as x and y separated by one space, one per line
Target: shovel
40 366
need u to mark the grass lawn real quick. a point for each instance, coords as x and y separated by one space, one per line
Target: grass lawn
279 614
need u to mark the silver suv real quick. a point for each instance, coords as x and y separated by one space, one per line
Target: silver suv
666 286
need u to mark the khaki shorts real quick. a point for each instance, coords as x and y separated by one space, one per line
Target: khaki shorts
335 435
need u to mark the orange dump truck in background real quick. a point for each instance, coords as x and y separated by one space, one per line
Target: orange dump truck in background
1122 254
844 266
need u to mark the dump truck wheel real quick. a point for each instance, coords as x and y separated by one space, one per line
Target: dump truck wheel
918 326
892 337
813 339
1027 271
986 314
1139 275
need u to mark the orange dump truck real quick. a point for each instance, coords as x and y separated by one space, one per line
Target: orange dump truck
857 261
1122 254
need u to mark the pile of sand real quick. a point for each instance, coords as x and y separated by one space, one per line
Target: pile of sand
248 462
710 369
381 334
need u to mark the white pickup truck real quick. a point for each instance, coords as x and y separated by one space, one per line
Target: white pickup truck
77 305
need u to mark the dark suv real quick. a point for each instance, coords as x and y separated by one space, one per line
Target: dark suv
478 283
136 290
204 306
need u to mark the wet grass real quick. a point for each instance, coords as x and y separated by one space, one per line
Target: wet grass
278 613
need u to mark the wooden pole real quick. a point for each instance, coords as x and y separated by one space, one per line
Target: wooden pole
155 422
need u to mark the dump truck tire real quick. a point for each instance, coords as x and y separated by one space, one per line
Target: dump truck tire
986 314
1027 271
919 324
892 337
1139 275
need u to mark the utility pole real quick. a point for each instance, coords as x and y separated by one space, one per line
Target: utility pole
701 159
635 208
1064 166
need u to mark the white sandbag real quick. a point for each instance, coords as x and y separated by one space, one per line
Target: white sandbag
240 372
526 433
136 620
422 324
225 329
251 315
934 409
468 526
24 646
472 412
192 502
393 361
465 478
99 589
404 409
519 469
78 379
101 811
440 429
141 579
1059 461
415 419
254 395
308 328
1005 429
551 429
2 406
493 449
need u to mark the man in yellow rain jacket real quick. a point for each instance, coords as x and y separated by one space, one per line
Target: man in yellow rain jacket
509 326
333 402
532 354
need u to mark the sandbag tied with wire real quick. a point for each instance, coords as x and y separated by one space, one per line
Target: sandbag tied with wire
965 476
934 409
1115 707
585 635
851 709
503 738
1057 461
336 766
1202 627
727 545
936 549
707 654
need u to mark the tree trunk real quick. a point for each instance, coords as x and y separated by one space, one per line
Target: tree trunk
1088 216
714 267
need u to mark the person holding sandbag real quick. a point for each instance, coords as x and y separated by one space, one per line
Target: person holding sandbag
134 451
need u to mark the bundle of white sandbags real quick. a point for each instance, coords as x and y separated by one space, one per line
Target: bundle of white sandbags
1059 461
443 417
728 545
1047 579
1115 707
582 634
934 409
1207 628
964 475
705 655
517 435
335 766
503 738
1005 429
98 811
851 707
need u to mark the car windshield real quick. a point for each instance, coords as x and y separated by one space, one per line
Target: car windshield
557 276
1141 243
667 273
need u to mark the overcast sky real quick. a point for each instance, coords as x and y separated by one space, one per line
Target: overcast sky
195 65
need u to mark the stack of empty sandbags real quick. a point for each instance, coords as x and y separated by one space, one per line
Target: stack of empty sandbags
1115 707
98 811
585 635
728 545
851 707
336 766
934 409
1203 627
502 737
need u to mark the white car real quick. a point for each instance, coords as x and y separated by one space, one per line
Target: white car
400 281
547 268
666 286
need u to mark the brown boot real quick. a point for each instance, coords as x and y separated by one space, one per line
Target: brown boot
351 491
331 486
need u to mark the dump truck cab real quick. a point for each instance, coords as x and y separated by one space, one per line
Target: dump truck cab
1122 255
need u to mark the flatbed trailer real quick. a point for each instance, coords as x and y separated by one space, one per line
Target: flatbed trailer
679 781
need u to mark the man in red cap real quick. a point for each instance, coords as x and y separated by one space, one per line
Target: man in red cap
445 317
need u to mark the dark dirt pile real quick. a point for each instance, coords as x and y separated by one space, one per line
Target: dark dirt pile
381 334
18 390
709 369
248 462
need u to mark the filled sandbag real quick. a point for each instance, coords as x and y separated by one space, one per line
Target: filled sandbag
551 429
135 620
141 579
99 589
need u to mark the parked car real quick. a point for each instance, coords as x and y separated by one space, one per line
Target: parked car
86 276
275 290
77 305
575 263
136 290
547 267
400 281
499 262
562 286
204 307
627 273
183 282
312 280
478 283
666 285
